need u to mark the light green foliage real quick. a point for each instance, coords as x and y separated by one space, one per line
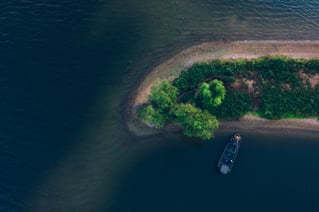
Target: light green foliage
165 108
211 94
195 122
153 116
164 95
218 90
204 95
164 98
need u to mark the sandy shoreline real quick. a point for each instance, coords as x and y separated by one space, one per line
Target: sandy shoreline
225 50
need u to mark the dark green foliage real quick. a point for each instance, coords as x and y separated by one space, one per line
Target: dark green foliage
277 104
203 72
299 100
191 78
278 92
312 66
234 106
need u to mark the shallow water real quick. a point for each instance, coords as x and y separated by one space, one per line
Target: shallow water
67 70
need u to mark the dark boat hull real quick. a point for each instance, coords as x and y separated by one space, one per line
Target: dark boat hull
227 159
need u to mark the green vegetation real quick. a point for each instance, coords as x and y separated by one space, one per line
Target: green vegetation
280 86
236 105
165 108
210 95
154 116
195 122
164 100
273 87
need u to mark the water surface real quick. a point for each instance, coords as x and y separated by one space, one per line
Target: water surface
67 70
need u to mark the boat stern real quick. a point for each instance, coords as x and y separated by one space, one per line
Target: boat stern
224 169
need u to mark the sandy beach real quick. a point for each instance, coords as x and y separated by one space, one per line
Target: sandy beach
225 50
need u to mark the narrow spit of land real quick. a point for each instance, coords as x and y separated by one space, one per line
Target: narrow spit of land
229 50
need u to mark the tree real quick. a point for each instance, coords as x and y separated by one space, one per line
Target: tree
153 116
164 95
165 108
211 94
195 122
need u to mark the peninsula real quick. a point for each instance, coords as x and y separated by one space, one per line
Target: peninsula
276 81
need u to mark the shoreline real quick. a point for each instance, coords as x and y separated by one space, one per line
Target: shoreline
265 126
171 68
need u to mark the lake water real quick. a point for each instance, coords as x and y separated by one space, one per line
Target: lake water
67 70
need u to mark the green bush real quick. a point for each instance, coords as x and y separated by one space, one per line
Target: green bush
164 108
164 95
210 94
195 122
154 116
235 105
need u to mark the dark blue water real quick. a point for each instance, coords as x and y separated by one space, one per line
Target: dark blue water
67 69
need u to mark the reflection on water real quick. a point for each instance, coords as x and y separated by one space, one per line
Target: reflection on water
71 66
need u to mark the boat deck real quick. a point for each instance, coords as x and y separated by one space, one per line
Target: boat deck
229 155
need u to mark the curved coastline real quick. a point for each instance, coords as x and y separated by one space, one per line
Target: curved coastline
171 68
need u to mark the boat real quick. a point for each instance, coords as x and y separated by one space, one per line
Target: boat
227 159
